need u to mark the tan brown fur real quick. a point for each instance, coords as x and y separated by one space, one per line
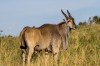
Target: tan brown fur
39 36
47 36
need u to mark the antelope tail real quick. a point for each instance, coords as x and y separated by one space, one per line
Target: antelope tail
22 38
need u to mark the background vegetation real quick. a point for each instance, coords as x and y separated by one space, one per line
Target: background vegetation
83 49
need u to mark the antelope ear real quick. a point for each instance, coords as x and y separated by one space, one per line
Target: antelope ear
64 20
69 13
64 14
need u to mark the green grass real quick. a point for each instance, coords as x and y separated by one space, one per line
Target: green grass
83 50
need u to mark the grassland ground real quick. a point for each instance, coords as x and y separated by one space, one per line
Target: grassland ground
83 50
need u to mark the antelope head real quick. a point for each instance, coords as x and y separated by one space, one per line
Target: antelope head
69 20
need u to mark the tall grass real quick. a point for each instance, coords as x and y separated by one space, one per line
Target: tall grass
83 50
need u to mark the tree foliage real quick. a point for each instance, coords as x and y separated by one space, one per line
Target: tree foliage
91 20
83 23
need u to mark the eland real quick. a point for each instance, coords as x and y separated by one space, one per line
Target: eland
49 37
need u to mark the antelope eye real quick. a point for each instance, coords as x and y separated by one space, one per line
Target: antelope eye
68 20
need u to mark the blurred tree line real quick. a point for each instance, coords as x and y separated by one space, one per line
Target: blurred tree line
1 32
91 20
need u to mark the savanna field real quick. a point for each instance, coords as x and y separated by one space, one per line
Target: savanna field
83 50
